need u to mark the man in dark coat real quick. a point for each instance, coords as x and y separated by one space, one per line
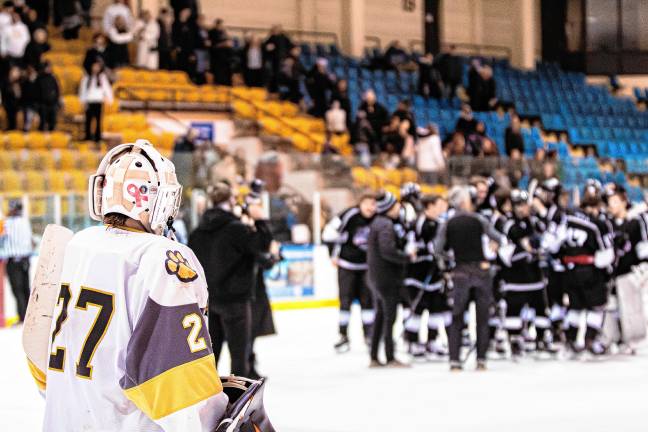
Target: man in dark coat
96 52
222 54
49 98
226 248
376 114
165 40
386 269
451 68
276 48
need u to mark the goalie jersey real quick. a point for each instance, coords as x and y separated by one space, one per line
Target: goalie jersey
129 348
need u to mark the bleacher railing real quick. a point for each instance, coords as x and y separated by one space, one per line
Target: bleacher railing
307 36
496 51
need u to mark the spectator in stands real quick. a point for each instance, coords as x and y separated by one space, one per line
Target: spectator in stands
252 62
179 5
395 55
482 90
188 143
30 96
451 68
457 145
96 53
94 92
203 44
119 36
18 235
336 119
376 114
365 139
404 112
222 54
119 8
466 124
397 136
290 77
430 83
184 39
341 94
319 83
513 141
33 21
476 139
5 14
276 48
165 41
147 33
430 161
488 148
72 15
36 48
14 40
49 98
12 96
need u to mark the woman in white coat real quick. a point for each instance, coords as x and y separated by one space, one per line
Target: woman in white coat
147 32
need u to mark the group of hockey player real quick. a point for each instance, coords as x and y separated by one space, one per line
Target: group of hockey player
554 278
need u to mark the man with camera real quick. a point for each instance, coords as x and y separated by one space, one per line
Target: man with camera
226 248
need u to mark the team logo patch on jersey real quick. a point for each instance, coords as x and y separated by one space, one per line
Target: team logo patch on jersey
176 264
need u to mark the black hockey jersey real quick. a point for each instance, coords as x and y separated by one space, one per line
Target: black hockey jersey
423 273
524 273
351 243
585 236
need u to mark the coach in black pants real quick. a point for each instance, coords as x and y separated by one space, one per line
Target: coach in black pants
385 276
226 248
18 248
462 234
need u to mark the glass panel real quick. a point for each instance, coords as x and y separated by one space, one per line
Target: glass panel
602 24
574 26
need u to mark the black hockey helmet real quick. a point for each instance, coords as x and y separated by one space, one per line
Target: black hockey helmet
410 192
617 189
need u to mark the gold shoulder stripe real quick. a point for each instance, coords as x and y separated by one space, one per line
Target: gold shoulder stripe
177 388
39 375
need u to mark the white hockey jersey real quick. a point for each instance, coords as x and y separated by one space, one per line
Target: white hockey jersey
129 347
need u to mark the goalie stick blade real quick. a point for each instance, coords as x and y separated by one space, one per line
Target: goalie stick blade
44 293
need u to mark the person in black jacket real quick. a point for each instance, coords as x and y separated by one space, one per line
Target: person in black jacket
513 141
226 249
319 84
376 114
12 96
451 68
36 48
49 99
276 48
221 54
462 234
30 97
184 39
96 52
386 269
165 40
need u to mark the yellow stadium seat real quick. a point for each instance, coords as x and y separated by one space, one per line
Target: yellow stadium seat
27 160
129 135
11 182
78 180
6 160
35 181
46 159
408 175
59 140
167 140
244 109
289 109
301 142
38 206
395 190
15 140
57 181
178 77
72 105
393 177
3 141
111 108
126 75
37 140
67 160
88 160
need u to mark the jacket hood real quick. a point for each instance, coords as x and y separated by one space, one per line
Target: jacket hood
216 218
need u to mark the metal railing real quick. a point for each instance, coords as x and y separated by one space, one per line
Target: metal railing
484 50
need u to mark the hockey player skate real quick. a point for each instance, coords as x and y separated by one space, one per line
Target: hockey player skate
342 345
245 412
416 350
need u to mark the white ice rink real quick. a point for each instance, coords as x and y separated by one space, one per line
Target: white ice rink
313 389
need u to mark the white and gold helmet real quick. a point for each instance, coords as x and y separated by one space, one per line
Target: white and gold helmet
135 180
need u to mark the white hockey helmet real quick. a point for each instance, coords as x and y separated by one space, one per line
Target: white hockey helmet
135 180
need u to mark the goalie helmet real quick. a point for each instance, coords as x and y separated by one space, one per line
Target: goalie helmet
135 180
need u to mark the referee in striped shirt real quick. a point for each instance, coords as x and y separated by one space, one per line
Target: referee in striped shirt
17 239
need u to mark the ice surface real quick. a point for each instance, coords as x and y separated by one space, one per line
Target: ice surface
313 389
